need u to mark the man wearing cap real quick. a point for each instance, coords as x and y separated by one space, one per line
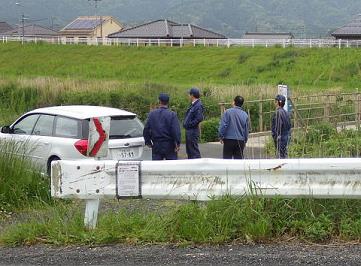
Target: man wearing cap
233 130
162 131
281 127
193 117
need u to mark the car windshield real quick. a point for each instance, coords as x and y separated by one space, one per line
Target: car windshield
125 127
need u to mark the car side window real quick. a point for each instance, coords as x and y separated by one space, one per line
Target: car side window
67 127
25 126
44 126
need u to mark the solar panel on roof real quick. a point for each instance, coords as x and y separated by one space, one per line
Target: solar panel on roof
84 24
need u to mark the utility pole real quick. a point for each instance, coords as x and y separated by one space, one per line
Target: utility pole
101 20
23 25
22 20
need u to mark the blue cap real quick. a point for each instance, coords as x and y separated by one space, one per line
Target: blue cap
195 92
280 98
163 97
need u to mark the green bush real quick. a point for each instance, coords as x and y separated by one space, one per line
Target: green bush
321 132
324 141
209 130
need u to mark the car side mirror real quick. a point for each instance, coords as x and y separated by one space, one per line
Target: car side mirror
6 130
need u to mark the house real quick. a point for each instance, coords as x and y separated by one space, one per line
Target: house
350 31
91 27
31 31
166 29
4 27
268 35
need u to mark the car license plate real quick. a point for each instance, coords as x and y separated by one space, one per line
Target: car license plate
126 154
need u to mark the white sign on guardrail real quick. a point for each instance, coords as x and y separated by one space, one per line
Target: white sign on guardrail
128 179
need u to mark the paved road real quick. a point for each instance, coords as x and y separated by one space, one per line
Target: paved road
276 254
254 149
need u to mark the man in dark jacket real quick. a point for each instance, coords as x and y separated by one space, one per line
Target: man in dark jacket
233 130
281 127
191 123
162 131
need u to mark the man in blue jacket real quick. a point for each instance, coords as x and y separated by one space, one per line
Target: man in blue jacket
162 131
281 127
193 117
233 130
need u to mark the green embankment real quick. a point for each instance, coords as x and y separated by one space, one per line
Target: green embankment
300 68
130 78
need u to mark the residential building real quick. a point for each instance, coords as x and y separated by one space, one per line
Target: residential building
4 27
166 29
31 31
91 27
268 35
350 31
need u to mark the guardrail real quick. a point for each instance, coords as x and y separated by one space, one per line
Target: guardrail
203 179
308 43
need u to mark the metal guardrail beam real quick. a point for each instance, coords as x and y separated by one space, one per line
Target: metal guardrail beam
204 179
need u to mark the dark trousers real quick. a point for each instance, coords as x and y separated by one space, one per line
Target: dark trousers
192 138
233 149
164 151
281 147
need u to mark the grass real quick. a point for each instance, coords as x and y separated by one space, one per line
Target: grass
245 220
20 184
300 68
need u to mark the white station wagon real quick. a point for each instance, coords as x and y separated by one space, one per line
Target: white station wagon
61 132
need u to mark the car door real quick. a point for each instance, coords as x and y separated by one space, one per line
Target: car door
41 139
20 135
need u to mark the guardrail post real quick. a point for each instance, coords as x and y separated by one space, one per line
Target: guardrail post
253 44
194 42
137 42
91 213
339 44
204 42
228 43
158 42
310 43
284 43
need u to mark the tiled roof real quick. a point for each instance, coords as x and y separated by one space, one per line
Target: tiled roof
164 29
268 35
353 28
4 27
31 30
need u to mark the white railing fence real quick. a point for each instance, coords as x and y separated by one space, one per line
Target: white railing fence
203 179
307 43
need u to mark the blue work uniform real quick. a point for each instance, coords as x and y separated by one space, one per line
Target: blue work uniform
233 131
281 131
193 117
162 133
